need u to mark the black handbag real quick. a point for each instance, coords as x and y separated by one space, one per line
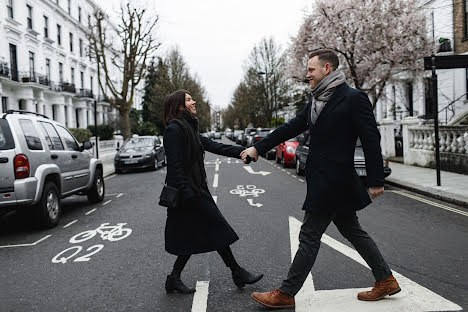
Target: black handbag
169 197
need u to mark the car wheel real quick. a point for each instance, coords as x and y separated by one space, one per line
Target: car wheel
299 171
165 161
49 208
98 189
283 163
154 165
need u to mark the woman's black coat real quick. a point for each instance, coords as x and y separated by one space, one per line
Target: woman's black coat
197 225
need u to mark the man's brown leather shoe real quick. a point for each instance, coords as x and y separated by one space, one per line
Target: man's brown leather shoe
274 299
381 289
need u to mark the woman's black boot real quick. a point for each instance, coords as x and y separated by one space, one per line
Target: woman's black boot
242 277
174 283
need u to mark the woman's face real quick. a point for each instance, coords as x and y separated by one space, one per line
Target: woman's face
190 104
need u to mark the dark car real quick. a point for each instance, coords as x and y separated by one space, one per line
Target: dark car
140 152
359 159
245 135
237 136
258 135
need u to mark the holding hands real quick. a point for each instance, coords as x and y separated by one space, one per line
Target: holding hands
252 152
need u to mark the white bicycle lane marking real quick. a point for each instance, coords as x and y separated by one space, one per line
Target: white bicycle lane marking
413 297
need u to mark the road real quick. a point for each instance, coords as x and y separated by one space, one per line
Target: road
423 240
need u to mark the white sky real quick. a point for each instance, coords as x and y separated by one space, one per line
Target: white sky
215 37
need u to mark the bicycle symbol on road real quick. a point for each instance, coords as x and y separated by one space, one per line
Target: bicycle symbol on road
108 232
251 190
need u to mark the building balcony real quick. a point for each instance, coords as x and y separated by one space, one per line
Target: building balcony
4 70
85 93
68 87
55 86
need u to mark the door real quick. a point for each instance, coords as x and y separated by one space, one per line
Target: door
80 159
13 63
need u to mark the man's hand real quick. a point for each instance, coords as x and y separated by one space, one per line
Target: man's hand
251 151
376 191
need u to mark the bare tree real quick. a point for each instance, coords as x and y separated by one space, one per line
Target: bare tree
375 39
126 56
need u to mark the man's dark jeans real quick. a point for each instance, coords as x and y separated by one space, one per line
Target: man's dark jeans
309 243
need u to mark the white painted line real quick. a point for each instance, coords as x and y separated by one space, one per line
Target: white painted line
295 177
107 202
217 167
200 298
65 226
120 195
215 198
215 181
26 245
283 170
288 173
251 171
464 213
109 177
413 297
301 180
91 211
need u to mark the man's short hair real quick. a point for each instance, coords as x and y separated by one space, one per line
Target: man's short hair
326 56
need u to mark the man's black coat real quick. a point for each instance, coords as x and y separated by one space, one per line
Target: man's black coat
332 182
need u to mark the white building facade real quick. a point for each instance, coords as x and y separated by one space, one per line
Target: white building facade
44 64
410 94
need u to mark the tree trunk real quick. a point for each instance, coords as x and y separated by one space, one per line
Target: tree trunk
125 128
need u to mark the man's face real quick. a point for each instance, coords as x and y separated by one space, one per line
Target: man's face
316 71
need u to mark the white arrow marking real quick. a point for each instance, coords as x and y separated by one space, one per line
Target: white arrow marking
250 200
251 171
413 297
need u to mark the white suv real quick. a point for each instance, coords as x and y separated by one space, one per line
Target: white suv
41 163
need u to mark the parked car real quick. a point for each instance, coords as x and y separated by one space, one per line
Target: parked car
245 135
259 134
286 152
359 159
140 152
41 162
239 139
229 134
217 135
236 134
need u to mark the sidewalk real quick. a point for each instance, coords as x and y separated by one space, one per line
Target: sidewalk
453 189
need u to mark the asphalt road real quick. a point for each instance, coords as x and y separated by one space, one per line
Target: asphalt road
59 270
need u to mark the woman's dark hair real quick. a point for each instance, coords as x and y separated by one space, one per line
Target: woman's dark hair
172 105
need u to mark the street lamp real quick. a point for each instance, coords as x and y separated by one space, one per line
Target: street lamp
261 73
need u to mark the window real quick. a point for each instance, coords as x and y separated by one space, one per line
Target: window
10 8
31 64
82 79
47 68
429 105
89 21
409 96
466 17
69 7
51 136
60 72
79 14
46 27
30 134
6 139
72 75
70 141
29 20
4 104
71 42
91 82
81 47
59 34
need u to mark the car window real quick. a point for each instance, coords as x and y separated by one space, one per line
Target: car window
70 141
52 137
138 142
157 142
6 139
30 134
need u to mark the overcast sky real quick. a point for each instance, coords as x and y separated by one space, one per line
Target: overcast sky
215 37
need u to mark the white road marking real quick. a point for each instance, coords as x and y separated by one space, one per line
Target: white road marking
413 297
107 202
251 171
120 195
215 180
464 213
283 170
301 180
215 198
295 177
250 200
65 226
200 298
25 245
91 211
288 173
217 167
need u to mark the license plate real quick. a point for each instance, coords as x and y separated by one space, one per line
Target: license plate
361 172
131 161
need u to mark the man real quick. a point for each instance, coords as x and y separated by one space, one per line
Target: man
336 116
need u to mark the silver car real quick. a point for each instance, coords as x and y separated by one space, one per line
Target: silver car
41 163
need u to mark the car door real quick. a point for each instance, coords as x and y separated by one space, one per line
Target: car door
58 154
80 159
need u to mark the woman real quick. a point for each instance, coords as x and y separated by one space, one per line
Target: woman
196 225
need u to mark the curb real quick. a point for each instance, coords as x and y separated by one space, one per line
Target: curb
446 197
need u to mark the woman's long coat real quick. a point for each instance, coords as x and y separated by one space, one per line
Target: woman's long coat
197 225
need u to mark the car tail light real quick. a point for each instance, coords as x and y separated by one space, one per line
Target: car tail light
21 166
257 138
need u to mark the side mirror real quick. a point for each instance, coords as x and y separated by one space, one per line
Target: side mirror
87 145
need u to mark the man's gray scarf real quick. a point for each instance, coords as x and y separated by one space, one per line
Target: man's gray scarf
323 91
